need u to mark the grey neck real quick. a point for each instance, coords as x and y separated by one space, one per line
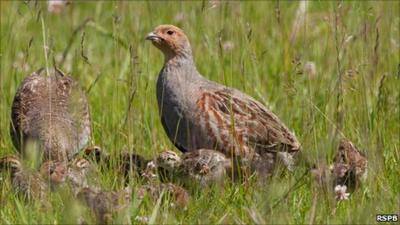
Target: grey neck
178 83
181 68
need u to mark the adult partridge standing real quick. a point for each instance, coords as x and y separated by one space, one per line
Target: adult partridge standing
53 112
199 113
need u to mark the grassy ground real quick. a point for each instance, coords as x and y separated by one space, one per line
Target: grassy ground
266 49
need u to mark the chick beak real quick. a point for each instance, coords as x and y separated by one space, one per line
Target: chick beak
152 36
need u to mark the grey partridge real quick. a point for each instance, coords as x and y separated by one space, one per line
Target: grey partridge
198 113
50 111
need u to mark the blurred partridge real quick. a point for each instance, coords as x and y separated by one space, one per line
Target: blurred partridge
54 173
178 195
51 112
104 204
28 184
77 174
347 172
198 113
350 165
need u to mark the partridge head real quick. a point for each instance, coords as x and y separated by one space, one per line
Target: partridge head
171 41
168 164
11 163
169 160
96 154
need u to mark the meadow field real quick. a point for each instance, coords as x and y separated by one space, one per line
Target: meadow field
328 69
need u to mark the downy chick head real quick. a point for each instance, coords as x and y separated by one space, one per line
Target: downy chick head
54 171
12 163
80 164
168 160
78 170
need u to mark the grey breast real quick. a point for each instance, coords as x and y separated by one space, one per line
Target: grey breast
50 113
172 113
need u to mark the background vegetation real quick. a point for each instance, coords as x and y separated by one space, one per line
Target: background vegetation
328 69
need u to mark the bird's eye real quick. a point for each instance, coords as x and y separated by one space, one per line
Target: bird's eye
170 32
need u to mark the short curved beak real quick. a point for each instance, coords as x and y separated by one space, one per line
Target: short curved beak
152 36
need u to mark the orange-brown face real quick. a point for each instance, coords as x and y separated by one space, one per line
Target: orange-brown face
169 39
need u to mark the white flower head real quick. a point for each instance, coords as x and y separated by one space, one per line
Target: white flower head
340 192
310 68
142 219
56 6
228 46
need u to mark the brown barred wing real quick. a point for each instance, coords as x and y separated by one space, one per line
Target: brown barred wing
239 124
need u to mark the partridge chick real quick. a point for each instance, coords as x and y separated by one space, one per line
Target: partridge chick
27 183
54 173
350 165
104 204
204 166
179 195
79 170
153 188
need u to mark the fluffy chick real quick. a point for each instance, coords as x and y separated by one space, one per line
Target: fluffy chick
28 184
104 204
204 166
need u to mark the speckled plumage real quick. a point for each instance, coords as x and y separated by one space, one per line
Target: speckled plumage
203 165
33 183
199 113
179 195
350 165
53 112
104 204
348 171
28 184
79 171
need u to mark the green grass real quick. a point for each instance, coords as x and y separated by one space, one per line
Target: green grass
354 45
